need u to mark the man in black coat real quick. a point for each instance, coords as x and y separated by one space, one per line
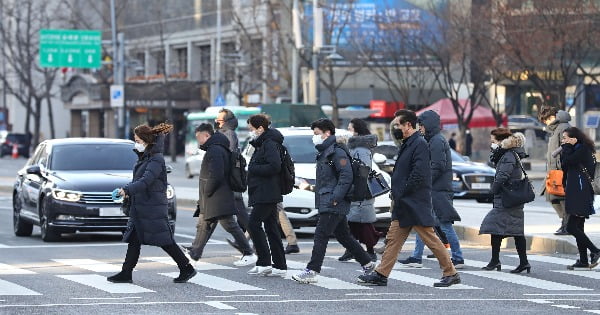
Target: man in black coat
334 179
411 194
215 203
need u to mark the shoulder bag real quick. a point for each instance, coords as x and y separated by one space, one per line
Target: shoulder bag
517 192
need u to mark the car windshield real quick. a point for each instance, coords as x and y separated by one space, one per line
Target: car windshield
94 157
301 148
456 157
19 138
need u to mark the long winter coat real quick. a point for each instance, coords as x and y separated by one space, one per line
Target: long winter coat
147 192
411 184
579 195
334 178
501 220
361 147
264 168
441 169
216 197
556 129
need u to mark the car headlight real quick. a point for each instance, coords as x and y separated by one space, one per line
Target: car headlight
66 195
303 184
170 192
455 177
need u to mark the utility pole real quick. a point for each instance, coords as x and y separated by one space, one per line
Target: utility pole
295 50
317 44
218 54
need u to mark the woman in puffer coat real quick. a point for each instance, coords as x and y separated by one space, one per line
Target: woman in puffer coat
578 167
501 222
362 213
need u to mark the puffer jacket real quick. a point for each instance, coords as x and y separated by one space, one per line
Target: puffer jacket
361 147
501 220
264 168
579 195
334 178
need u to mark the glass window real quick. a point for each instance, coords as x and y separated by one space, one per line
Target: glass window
80 157
301 148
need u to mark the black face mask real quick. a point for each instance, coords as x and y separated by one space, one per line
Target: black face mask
216 125
397 133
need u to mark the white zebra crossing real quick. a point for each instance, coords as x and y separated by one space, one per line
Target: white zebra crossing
548 259
217 283
9 288
99 282
6 269
89 264
199 265
525 281
329 283
424 281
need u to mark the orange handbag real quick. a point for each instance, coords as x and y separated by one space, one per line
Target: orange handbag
554 184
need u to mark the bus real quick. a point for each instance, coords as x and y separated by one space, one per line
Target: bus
193 155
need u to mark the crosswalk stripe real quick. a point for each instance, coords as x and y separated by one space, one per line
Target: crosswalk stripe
291 264
477 264
425 281
329 283
524 280
217 283
99 282
89 264
548 259
6 269
580 273
9 288
199 265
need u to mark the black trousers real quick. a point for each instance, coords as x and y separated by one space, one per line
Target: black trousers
575 227
267 213
133 253
242 215
520 244
338 225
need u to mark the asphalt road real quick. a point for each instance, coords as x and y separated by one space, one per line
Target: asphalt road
68 277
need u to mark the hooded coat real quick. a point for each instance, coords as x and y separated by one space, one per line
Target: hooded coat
334 178
441 168
411 184
361 147
264 168
228 129
501 220
579 195
556 129
148 214
216 197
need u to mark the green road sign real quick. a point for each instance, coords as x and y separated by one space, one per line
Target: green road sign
70 48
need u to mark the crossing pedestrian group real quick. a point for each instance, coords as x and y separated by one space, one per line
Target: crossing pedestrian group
421 196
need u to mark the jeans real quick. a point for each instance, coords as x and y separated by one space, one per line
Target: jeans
133 253
205 229
338 225
267 213
575 227
286 226
448 229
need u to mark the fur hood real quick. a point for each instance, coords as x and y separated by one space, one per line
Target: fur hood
517 140
368 141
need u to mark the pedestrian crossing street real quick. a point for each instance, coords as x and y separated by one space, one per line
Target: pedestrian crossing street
213 277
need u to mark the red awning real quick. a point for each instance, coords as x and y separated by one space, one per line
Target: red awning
482 116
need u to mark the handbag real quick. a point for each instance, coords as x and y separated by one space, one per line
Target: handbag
554 184
125 206
517 192
377 185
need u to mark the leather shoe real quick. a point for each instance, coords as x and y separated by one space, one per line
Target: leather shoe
185 274
448 281
292 249
121 277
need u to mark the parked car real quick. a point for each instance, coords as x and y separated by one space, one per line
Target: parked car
9 139
470 180
66 187
524 122
300 203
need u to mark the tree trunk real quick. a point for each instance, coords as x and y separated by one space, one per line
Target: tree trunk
28 116
335 115
50 117
37 115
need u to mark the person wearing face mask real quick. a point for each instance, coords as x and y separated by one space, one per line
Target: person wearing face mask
507 150
148 219
578 165
333 181
215 203
556 122
263 195
412 206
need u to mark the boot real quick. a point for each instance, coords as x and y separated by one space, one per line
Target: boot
121 277
186 273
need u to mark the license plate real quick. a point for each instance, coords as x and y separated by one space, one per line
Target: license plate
480 185
111 212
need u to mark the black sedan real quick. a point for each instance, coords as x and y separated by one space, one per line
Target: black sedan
66 187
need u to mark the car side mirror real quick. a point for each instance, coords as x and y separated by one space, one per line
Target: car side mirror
468 159
34 169
379 158
169 169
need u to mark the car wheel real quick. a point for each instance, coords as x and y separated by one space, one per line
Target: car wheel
188 173
21 227
49 234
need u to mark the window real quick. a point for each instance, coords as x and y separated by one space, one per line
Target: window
205 63
160 61
96 156
182 60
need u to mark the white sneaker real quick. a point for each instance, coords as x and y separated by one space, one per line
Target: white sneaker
277 273
260 270
246 260
306 276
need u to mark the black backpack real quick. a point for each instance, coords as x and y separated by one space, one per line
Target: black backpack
238 174
288 174
359 190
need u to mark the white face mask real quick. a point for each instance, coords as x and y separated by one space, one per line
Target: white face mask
253 135
317 139
140 147
494 146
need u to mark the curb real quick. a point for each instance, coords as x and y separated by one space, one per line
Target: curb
536 243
